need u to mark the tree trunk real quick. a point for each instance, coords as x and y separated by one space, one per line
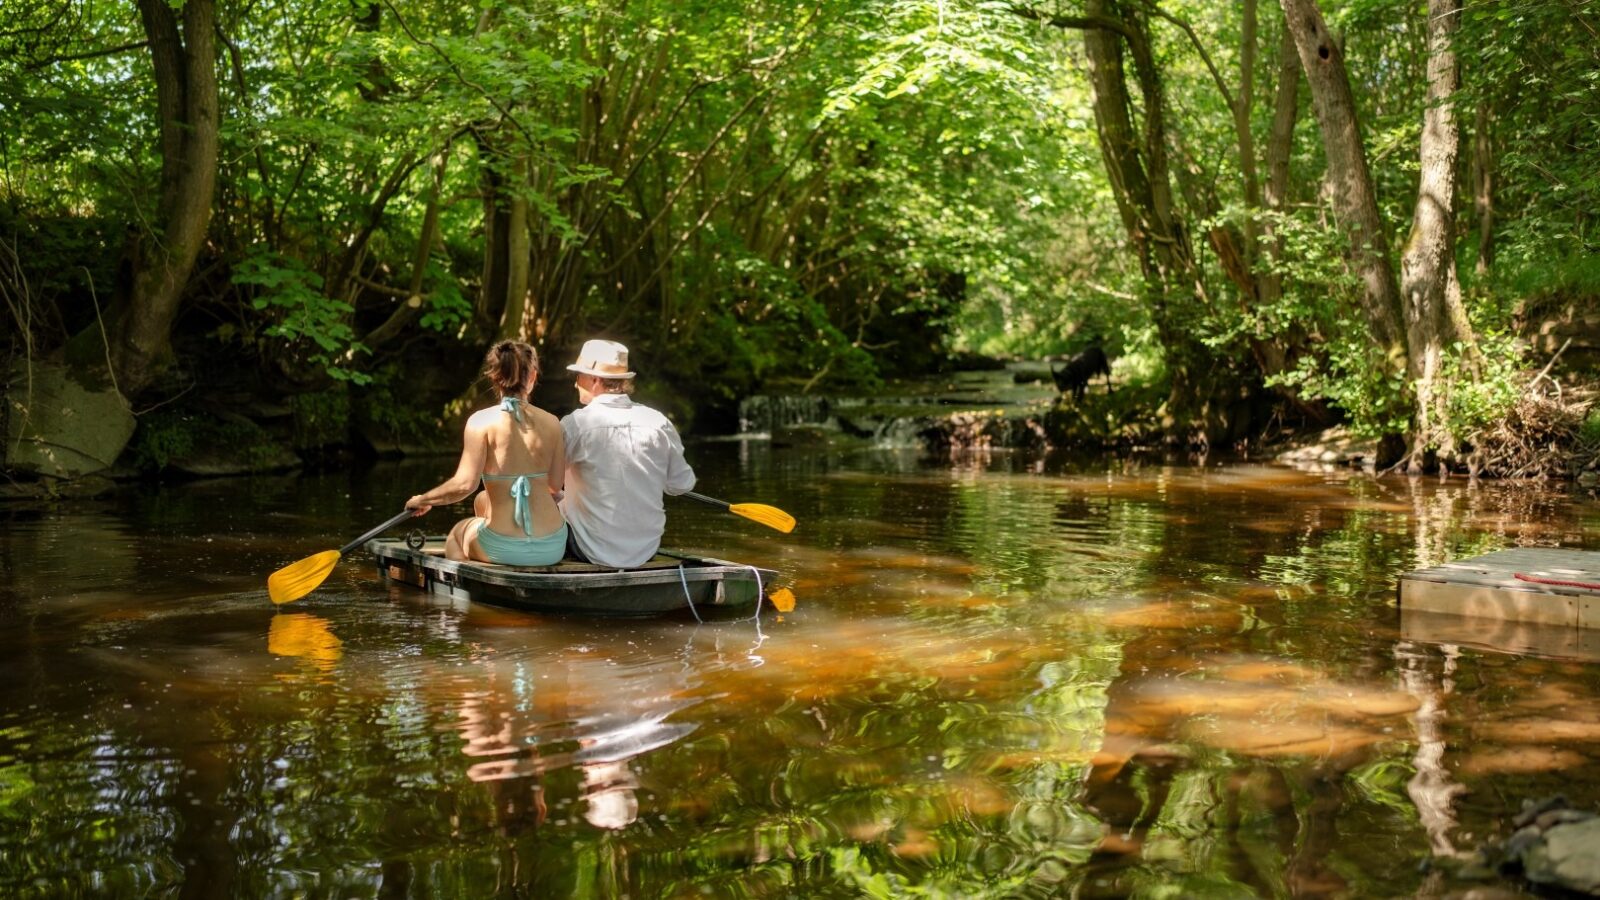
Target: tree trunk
1241 128
1136 165
1483 186
411 307
1280 145
496 233
1435 317
186 101
516 324
1354 198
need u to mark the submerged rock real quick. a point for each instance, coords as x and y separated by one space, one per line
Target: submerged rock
1566 855
1553 846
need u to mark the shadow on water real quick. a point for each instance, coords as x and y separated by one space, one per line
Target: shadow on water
1005 676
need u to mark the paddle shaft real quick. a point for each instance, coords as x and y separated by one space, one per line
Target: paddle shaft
404 515
704 499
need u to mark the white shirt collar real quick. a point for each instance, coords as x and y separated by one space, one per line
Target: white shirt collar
618 400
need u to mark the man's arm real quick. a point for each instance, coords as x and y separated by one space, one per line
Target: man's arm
680 477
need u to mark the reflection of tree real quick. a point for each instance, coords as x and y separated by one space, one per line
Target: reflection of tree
1432 789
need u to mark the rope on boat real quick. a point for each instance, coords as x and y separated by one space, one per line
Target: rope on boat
684 580
1587 585
759 591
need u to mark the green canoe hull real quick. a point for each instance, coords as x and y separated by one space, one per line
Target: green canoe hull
666 583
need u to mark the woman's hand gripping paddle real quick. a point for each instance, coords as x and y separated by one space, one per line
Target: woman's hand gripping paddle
770 516
299 579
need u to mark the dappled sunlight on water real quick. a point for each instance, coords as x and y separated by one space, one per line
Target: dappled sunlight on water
1002 676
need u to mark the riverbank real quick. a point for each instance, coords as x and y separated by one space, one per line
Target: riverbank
1551 433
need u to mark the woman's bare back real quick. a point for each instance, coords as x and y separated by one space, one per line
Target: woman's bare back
529 447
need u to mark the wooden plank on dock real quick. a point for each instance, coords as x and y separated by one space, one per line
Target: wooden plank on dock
1553 590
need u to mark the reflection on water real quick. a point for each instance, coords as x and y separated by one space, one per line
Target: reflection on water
1003 676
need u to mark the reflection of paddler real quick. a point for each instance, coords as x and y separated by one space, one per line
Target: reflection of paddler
586 711
609 789
303 635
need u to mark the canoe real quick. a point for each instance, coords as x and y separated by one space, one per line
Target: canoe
665 583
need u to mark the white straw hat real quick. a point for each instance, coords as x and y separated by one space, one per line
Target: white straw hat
606 359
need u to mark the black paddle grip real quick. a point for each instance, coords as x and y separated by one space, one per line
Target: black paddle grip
404 515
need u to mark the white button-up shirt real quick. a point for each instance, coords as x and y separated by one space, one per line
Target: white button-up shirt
621 458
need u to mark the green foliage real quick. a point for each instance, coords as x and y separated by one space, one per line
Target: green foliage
1589 429
751 191
386 403
165 437
1529 272
321 418
446 307
1485 392
301 313
1354 376
162 437
1356 379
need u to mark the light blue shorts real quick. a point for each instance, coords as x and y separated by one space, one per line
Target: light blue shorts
546 550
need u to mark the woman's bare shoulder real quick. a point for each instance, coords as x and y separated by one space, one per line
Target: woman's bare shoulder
486 417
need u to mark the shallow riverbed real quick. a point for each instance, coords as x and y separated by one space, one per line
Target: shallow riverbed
1005 676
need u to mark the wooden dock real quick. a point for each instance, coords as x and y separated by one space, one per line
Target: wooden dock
1540 585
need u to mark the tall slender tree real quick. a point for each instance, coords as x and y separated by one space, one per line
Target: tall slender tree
1436 321
1355 198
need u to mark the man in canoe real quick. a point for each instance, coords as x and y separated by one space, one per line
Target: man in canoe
622 457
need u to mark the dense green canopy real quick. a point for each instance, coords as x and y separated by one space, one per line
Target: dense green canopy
823 194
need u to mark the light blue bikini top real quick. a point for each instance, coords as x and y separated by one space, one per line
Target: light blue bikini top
521 512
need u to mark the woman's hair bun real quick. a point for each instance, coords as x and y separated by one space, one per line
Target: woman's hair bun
509 366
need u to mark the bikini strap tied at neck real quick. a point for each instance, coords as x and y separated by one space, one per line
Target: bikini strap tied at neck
512 405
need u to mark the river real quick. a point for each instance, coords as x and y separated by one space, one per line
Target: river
1006 675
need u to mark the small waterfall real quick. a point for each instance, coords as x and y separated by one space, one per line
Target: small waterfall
768 413
991 408
898 431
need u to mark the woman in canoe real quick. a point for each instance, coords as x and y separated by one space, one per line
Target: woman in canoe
516 450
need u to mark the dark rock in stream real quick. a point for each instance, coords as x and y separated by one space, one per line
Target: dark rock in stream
1554 846
1567 855
59 427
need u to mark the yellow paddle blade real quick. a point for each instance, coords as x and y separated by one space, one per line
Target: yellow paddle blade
770 516
783 599
299 579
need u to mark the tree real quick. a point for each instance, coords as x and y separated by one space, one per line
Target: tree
184 63
1436 321
1354 197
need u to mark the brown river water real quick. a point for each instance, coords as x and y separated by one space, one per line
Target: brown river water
1005 676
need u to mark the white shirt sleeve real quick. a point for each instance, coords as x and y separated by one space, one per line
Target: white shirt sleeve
680 477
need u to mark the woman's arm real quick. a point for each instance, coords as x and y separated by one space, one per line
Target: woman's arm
473 449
